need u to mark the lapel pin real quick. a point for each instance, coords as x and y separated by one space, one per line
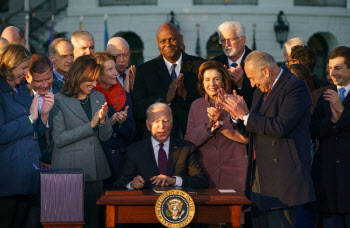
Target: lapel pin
97 102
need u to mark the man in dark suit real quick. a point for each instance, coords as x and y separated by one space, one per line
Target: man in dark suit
171 78
43 83
330 125
279 174
161 159
61 55
232 39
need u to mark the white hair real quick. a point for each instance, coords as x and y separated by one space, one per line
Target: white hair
233 25
157 105
261 59
83 35
291 43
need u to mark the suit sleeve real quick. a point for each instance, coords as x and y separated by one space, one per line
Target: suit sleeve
296 103
127 173
196 133
14 129
60 134
105 131
321 124
196 177
140 96
128 130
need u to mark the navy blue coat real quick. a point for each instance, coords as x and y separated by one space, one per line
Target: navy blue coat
122 137
279 132
18 148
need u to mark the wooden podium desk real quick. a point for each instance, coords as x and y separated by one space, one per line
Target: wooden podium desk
211 206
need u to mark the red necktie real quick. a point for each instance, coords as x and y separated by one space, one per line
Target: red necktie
162 160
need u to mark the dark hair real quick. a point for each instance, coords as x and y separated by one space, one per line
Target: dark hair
305 56
341 51
303 72
39 63
217 66
84 68
10 57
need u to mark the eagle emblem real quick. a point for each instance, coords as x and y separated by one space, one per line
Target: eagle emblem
175 208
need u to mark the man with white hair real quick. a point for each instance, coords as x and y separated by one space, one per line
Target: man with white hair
232 39
119 47
83 43
279 172
287 47
13 35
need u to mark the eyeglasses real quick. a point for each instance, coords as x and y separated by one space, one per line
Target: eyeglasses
125 55
231 40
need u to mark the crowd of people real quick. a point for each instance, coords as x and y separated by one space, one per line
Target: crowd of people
277 134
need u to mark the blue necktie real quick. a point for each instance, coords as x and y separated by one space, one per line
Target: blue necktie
173 73
341 94
234 65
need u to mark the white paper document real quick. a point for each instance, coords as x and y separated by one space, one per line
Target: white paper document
227 191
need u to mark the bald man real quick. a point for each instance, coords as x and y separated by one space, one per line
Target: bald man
13 35
3 42
119 47
171 78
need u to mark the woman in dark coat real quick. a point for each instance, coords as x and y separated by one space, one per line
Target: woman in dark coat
120 115
19 149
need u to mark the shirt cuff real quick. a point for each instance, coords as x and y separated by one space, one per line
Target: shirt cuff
178 181
245 119
128 186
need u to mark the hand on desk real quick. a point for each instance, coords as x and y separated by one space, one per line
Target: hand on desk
163 180
137 183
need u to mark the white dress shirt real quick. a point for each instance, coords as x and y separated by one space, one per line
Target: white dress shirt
347 89
155 145
239 60
120 78
177 68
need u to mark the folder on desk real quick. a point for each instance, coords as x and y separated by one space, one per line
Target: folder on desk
161 189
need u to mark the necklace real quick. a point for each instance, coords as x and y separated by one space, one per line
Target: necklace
84 101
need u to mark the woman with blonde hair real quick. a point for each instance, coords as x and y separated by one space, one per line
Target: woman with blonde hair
80 121
19 148
120 114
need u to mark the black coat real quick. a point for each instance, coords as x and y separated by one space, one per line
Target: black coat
247 90
152 82
331 162
182 162
278 130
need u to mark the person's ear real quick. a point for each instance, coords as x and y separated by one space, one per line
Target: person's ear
52 58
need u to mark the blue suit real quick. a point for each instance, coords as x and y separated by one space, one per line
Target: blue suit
18 148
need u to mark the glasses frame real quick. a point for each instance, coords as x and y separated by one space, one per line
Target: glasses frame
232 40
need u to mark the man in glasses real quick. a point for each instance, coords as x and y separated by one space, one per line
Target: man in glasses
232 40
119 47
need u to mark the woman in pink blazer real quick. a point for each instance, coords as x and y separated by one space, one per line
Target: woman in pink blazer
222 150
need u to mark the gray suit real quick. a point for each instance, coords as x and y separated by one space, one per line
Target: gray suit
75 143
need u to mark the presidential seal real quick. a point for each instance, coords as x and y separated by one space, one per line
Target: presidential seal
175 208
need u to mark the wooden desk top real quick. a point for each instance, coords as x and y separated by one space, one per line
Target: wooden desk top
148 197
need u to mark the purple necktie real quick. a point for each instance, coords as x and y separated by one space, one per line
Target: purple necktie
123 75
162 160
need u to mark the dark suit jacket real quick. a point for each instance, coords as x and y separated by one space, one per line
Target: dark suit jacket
182 162
279 132
46 146
331 164
151 84
246 91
